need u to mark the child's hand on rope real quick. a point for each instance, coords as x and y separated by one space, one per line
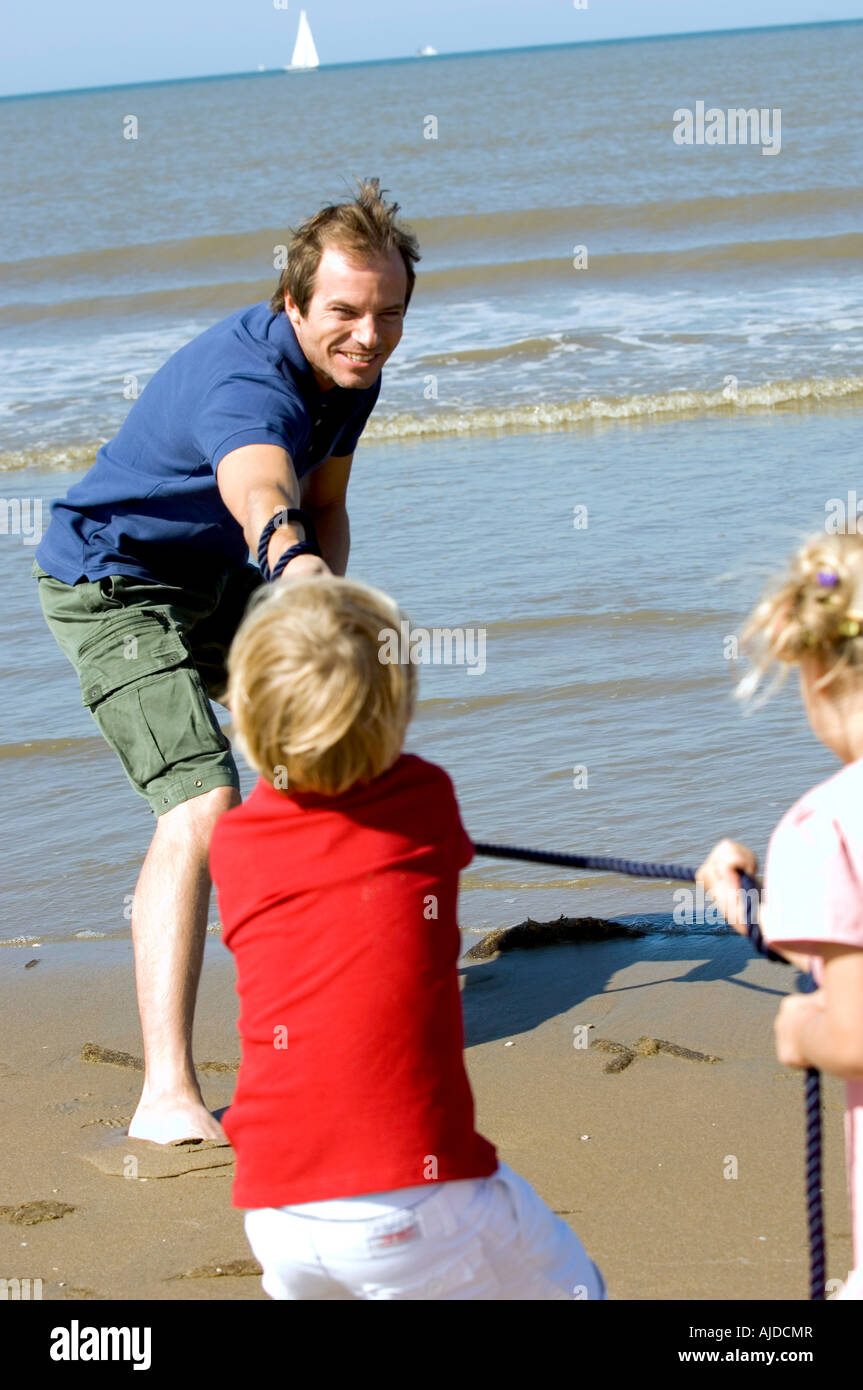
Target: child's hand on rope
795 1012
719 874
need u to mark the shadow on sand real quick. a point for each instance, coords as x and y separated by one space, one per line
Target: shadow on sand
518 990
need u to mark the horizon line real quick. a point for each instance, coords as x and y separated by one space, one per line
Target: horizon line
414 57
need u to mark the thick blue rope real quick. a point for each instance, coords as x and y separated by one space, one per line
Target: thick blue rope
635 869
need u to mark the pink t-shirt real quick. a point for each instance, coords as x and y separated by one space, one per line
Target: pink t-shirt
813 892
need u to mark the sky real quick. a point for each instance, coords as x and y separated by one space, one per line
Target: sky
55 45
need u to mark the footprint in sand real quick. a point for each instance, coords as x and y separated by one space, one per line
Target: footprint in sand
109 1057
646 1047
231 1269
83 1102
118 1156
94 1052
32 1213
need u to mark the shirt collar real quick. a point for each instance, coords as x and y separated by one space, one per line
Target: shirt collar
286 341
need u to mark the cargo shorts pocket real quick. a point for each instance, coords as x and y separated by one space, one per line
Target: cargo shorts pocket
140 683
457 1277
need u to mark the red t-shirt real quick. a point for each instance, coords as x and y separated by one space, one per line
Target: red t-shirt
341 914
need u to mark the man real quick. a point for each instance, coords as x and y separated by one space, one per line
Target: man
144 577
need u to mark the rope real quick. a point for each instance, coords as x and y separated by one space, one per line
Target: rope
636 869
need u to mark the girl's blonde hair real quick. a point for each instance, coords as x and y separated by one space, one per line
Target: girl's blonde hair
313 705
815 610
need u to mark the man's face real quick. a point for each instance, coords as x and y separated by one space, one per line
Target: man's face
354 319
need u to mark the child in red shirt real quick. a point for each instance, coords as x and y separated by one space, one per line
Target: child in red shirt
353 1121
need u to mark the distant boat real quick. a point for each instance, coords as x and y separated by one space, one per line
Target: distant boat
427 52
305 54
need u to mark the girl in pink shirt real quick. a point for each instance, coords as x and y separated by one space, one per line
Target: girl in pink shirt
812 904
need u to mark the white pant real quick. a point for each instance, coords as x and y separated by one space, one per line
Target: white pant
485 1239
853 1286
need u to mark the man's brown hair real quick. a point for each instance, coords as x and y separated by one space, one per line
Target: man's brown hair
364 228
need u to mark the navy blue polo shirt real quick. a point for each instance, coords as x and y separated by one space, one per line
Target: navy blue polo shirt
150 505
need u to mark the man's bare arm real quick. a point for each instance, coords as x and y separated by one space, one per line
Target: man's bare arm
255 482
323 493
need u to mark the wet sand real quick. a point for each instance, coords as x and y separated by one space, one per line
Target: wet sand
630 1140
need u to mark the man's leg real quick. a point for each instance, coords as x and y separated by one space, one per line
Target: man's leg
169 922
126 640
169 912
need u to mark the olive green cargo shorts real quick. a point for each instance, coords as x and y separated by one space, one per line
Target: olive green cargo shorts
150 657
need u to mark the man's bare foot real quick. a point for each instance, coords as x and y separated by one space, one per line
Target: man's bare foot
173 1123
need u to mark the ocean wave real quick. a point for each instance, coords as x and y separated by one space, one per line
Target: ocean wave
173 298
807 393
52 458
749 209
477 882
637 617
524 347
638 265
473 880
166 301
565 692
257 247
121 263
52 748
551 415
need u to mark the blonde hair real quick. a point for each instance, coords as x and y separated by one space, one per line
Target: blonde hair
313 705
816 610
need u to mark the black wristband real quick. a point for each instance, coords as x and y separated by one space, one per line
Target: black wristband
302 548
290 515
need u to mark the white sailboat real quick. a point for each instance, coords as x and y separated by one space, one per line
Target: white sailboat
305 54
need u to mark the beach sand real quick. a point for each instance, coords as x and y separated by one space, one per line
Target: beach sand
634 1158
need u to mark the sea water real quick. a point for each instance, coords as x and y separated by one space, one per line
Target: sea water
630 380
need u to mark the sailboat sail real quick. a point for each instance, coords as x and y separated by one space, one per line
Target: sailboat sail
305 53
